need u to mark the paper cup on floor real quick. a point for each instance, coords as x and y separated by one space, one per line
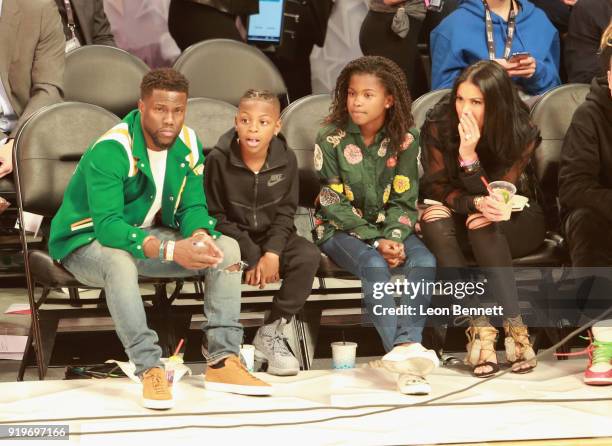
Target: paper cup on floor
247 352
343 354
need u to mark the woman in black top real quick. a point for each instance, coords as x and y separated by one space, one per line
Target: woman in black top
482 132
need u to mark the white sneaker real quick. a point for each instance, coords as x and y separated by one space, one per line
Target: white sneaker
413 359
413 385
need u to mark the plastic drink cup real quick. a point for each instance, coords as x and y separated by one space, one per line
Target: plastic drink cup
247 352
170 366
502 190
343 354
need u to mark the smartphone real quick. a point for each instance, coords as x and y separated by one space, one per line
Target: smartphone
517 57
434 5
267 26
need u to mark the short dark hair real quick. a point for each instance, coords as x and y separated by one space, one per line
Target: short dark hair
167 79
260 95
605 48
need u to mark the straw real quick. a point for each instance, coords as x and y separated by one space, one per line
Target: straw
343 341
178 347
485 182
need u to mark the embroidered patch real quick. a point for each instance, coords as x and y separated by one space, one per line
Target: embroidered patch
320 231
391 162
318 157
405 220
381 217
409 139
382 150
348 192
386 194
327 197
357 212
335 139
352 153
337 187
396 233
401 184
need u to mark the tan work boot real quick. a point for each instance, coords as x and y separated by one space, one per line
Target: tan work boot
156 394
229 375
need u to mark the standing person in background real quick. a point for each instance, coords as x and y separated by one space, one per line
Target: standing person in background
192 21
587 23
515 27
482 130
85 21
366 156
391 29
32 49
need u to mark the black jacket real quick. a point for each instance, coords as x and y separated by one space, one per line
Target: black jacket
585 174
587 23
257 210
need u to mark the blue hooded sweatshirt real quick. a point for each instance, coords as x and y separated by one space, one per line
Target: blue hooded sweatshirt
460 40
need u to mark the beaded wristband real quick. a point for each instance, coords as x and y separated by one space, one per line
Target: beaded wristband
162 247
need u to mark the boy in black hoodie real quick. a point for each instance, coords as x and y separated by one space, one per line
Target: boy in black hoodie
252 191
585 181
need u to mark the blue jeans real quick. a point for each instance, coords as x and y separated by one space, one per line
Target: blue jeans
117 272
365 262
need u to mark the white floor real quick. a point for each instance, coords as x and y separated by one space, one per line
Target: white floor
193 420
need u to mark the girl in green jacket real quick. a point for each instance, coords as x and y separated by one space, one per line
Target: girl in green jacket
366 156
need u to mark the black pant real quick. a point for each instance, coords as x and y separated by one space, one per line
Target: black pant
298 265
493 246
191 23
589 238
376 38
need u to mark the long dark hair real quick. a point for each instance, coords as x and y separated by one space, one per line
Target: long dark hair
398 119
507 128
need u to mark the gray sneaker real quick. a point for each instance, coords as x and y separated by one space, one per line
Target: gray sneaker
271 347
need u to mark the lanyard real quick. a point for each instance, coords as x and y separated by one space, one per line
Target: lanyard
489 22
70 15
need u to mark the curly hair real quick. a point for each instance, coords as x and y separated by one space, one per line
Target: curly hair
261 95
398 119
167 79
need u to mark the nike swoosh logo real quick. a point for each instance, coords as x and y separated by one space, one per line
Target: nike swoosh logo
275 180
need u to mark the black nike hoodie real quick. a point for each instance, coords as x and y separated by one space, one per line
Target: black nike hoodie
585 174
257 210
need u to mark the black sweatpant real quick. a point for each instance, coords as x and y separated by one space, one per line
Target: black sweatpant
590 245
493 246
298 265
376 38
191 23
589 238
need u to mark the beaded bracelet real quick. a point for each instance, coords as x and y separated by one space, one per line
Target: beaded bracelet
162 248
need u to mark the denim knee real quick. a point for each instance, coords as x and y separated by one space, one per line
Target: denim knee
231 251
119 262
373 266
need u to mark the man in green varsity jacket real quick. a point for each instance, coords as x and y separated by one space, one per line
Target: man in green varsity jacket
135 206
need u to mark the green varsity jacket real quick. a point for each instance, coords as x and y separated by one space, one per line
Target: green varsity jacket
112 190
